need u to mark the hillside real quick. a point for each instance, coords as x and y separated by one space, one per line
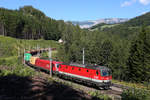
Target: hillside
139 21
11 48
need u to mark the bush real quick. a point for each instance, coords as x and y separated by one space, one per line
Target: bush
19 70
9 61
13 65
99 95
135 94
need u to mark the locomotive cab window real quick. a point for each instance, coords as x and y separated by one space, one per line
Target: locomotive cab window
97 72
105 72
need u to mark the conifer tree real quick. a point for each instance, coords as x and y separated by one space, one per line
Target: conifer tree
139 59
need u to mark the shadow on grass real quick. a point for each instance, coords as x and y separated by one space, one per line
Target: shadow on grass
14 87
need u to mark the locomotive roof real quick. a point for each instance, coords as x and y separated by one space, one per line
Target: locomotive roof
96 67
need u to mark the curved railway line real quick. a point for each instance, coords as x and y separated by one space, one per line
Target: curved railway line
114 91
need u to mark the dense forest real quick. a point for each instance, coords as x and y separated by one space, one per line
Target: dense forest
125 48
29 23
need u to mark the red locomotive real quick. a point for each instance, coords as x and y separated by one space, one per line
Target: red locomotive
92 74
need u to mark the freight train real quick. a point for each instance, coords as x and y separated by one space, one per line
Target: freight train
99 76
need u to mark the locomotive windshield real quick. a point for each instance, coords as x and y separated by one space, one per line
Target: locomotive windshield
105 72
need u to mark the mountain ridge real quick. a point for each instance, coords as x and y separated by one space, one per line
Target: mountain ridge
90 23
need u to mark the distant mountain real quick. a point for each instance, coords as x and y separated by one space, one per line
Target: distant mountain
90 23
127 29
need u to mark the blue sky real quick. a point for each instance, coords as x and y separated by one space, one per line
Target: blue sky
81 10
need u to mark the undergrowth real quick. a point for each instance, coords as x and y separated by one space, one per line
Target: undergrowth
135 94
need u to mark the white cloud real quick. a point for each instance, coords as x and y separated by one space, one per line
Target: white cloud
128 3
144 2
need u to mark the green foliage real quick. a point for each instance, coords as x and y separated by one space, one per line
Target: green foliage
118 59
12 47
143 20
9 61
30 23
99 95
18 70
135 94
13 65
138 62
32 12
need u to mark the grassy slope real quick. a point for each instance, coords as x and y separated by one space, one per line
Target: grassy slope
11 46
11 54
